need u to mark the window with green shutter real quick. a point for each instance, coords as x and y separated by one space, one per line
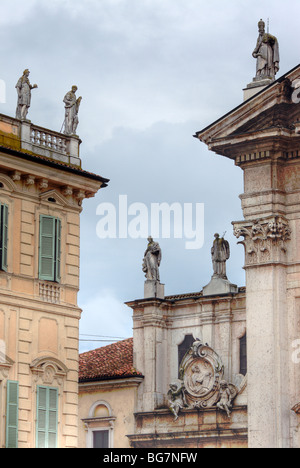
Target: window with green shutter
12 410
47 417
49 248
3 236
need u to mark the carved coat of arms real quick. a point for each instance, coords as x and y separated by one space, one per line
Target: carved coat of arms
201 383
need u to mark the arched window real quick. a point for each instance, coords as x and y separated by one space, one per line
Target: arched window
243 355
100 425
184 347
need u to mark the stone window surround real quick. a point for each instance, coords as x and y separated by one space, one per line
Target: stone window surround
93 424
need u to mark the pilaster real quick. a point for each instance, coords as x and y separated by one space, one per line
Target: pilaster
262 137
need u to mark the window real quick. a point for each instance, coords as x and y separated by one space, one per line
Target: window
3 236
100 439
50 246
47 417
184 347
12 410
243 355
100 425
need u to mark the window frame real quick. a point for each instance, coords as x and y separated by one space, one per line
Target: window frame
48 409
97 424
9 405
243 354
4 212
55 256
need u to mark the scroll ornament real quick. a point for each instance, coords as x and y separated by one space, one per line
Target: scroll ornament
201 384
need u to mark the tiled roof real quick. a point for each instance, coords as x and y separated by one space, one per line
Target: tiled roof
109 362
178 297
195 295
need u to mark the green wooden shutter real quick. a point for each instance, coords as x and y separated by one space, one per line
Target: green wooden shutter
50 248
47 248
47 417
53 416
3 236
58 250
12 410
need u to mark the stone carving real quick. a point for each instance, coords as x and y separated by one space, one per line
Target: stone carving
227 393
152 259
266 54
176 398
219 283
220 253
264 240
48 369
24 95
49 374
296 408
201 383
72 105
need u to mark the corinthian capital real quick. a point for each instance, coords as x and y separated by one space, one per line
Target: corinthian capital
264 239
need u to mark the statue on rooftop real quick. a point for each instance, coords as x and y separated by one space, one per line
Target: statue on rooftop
220 253
71 111
152 259
267 54
24 95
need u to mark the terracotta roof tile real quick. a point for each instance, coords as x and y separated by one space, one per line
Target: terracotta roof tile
109 362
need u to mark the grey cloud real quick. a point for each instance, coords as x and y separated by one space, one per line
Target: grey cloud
151 74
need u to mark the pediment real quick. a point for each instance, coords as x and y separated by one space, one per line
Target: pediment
273 112
282 115
53 197
5 364
47 369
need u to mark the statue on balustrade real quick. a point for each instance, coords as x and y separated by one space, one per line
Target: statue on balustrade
24 95
71 111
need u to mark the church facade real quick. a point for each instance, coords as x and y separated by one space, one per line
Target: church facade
219 367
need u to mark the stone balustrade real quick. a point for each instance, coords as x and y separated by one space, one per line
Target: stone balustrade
41 141
49 139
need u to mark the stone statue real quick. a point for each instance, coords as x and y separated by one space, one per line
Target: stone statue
176 398
200 384
152 259
226 397
200 378
220 253
24 95
267 54
71 111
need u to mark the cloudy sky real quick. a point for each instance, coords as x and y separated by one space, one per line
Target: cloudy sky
151 74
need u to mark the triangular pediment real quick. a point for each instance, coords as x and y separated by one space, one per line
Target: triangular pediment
274 110
53 197
5 360
281 115
5 365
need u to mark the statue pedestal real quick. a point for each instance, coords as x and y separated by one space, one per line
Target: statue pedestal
256 86
219 286
154 289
